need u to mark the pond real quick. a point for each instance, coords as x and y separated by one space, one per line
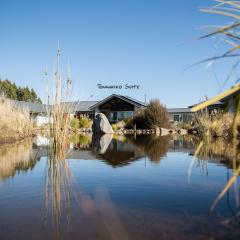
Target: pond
118 188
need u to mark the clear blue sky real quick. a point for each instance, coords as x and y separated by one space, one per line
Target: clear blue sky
146 42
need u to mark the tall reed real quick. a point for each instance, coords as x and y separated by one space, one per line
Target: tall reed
229 34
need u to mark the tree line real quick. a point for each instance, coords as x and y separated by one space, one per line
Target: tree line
12 91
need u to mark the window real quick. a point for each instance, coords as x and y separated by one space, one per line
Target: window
176 118
124 115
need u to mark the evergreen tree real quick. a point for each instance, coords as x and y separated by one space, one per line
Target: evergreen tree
10 90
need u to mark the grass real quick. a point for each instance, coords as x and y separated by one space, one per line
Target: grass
230 35
15 124
220 125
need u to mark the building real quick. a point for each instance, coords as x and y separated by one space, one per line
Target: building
226 101
115 107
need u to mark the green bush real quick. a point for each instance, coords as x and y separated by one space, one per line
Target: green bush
82 122
74 123
85 122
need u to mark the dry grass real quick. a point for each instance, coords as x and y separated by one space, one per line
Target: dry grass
217 126
14 123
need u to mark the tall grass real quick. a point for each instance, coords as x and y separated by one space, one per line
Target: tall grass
59 112
220 125
58 188
14 123
229 34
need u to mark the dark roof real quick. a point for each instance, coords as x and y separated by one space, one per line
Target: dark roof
31 106
125 98
179 110
80 106
84 106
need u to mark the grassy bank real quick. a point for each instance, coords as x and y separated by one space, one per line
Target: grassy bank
15 124
216 126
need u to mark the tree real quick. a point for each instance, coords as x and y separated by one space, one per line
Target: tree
10 90
154 115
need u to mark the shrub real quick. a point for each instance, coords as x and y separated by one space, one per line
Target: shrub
74 123
154 115
85 122
82 122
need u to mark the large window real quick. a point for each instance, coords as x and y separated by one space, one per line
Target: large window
124 115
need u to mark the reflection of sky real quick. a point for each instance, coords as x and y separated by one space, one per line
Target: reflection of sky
142 187
163 186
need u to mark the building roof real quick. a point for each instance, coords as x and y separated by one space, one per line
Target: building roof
80 106
30 106
220 97
179 110
124 98
84 106
217 103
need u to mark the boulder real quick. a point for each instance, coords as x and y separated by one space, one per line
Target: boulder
101 124
101 143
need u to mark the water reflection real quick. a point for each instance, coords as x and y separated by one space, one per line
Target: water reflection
15 158
90 200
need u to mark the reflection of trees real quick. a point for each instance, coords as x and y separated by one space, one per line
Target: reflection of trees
16 157
154 147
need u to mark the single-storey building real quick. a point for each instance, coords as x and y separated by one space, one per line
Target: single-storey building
226 101
116 107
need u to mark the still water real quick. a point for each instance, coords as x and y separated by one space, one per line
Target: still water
118 188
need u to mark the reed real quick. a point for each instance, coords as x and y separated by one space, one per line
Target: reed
230 35
59 112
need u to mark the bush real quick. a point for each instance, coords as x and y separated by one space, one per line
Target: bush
82 122
74 123
154 115
85 122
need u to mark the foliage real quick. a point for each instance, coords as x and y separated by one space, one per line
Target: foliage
119 125
74 123
10 90
85 122
154 115
220 125
82 122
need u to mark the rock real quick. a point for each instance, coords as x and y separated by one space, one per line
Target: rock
158 131
183 131
101 143
101 124
164 131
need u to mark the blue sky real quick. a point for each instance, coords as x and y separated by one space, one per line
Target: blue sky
145 42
